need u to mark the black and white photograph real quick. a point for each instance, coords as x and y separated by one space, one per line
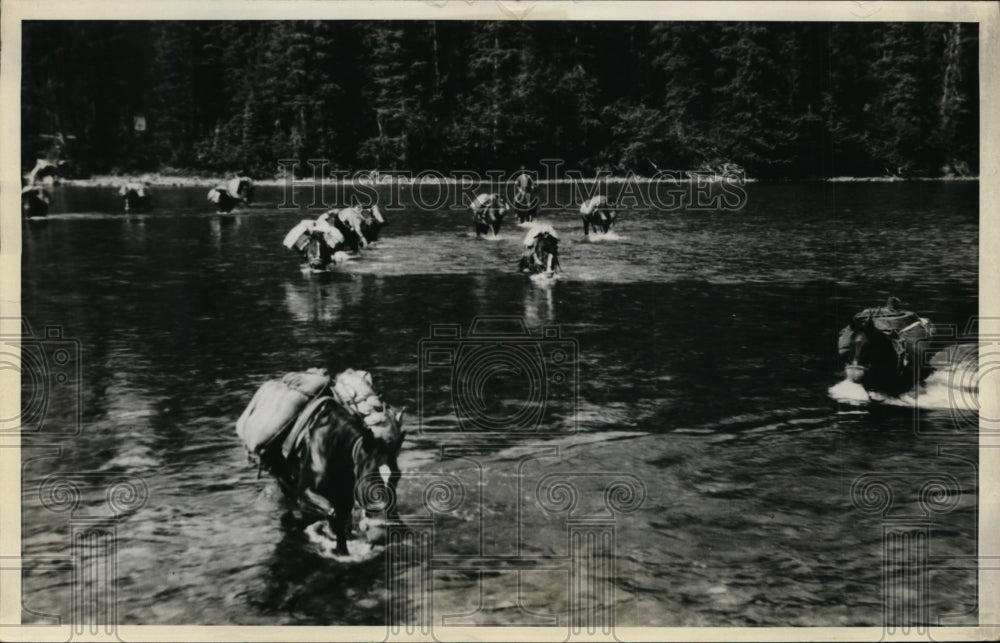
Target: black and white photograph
455 319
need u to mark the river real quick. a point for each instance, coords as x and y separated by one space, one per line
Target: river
704 346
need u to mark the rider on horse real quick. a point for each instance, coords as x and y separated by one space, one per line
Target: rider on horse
524 202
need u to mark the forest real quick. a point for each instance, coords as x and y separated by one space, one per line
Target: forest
780 100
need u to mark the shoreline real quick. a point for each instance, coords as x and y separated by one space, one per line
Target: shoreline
154 179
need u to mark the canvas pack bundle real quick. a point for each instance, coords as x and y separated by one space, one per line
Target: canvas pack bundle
276 405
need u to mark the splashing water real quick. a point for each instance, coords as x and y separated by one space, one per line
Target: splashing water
947 389
850 393
326 545
610 235
955 388
545 278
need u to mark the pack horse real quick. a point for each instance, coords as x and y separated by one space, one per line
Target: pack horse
331 444
879 348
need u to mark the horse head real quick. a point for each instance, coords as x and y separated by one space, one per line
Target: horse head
541 253
546 244
871 356
241 188
376 471
350 222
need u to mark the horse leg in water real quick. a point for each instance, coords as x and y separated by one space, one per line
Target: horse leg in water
586 225
340 522
395 474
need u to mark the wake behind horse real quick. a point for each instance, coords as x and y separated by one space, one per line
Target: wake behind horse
328 446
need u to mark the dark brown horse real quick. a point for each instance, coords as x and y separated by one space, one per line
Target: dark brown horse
331 460
35 201
136 197
879 349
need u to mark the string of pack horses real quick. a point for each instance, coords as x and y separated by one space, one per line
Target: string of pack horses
331 441
336 235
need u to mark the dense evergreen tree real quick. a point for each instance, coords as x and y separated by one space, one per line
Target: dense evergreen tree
779 99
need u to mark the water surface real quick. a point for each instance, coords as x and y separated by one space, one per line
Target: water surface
705 341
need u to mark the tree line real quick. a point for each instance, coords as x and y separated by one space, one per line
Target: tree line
789 100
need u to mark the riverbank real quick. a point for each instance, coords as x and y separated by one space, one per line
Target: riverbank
167 180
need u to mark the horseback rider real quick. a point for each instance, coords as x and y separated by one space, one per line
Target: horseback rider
524 185
524 202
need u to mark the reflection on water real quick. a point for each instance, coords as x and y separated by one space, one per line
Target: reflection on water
539 309
707 347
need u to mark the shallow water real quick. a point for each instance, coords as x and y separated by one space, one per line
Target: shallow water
705 347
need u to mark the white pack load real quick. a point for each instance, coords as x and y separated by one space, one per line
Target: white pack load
537 229
233 187
216 193
483 200
139 188
593 203
353 390
276 405
333 237
298 236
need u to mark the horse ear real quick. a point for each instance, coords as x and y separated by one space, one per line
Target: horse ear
399 417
